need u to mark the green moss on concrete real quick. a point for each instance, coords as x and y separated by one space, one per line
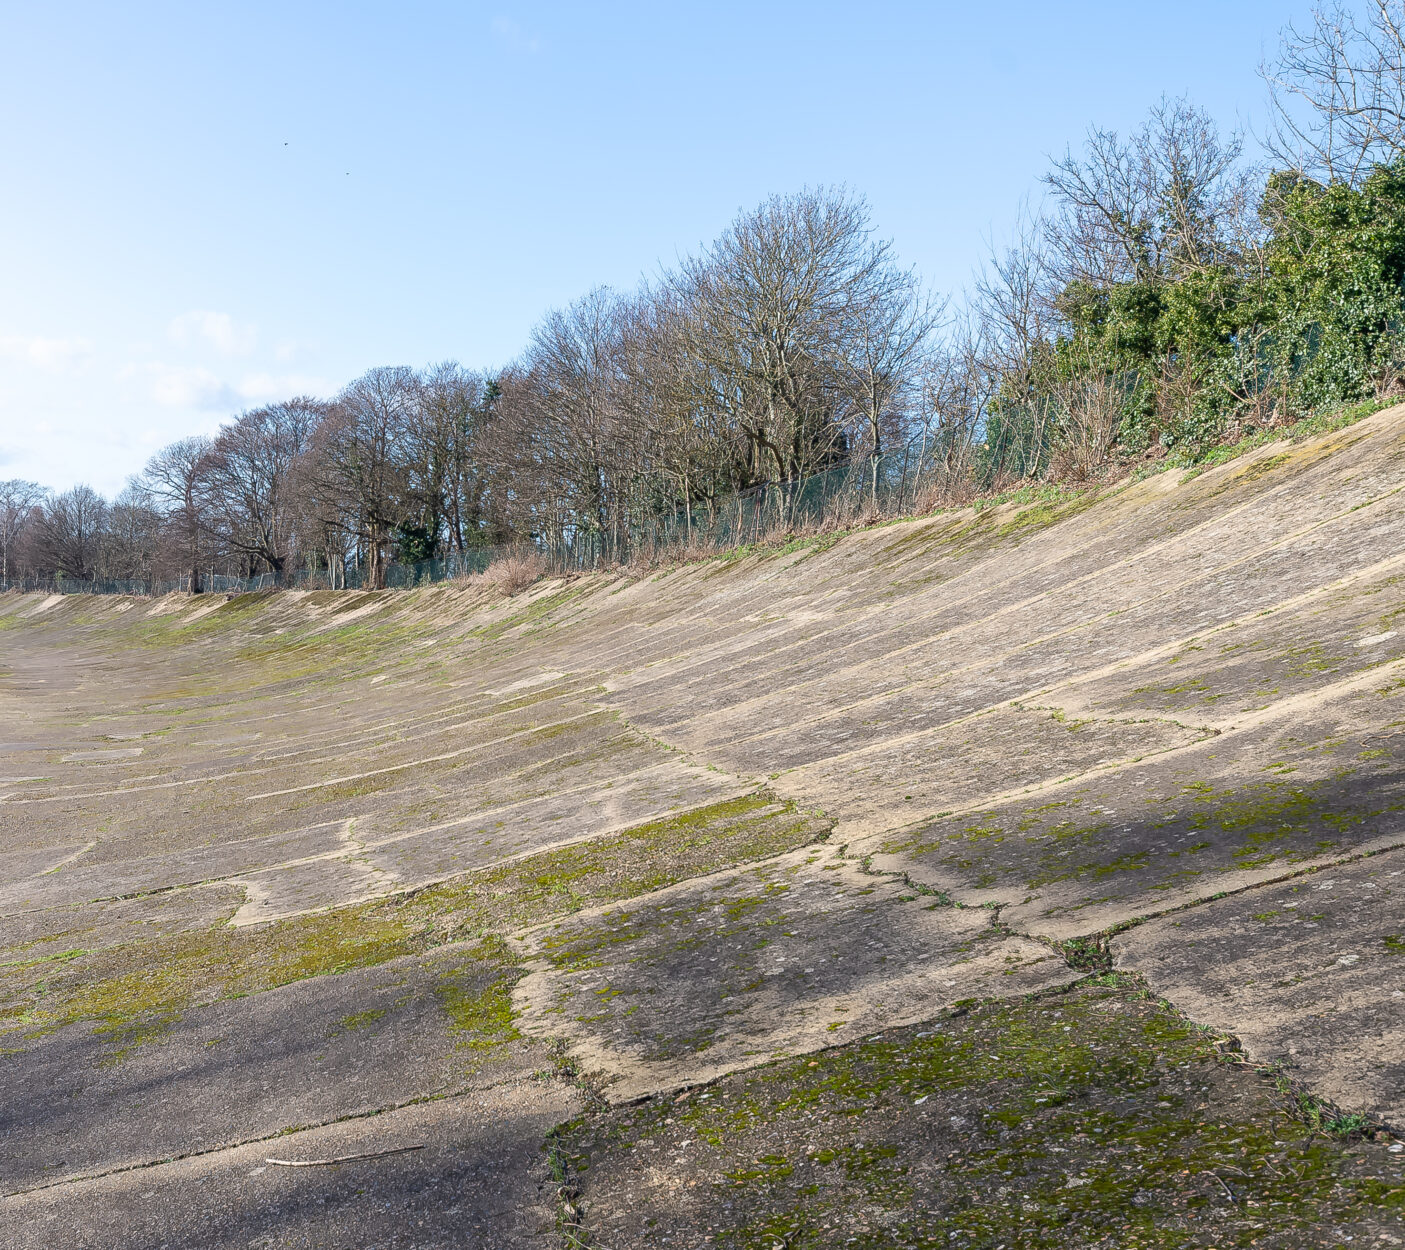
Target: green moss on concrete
172 972
477 996
1095 1118
1197 828
128 1035
361 1019
1051 504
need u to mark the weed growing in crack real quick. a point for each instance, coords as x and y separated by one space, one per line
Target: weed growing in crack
1087 954
570 1225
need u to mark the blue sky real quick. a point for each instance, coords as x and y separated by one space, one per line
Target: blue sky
205 207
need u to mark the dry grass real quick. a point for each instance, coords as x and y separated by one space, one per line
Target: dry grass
512 574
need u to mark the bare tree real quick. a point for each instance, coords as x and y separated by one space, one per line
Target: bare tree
958 384
774 296
18 501
562 416
364 457
177 476
1168 200
326 522
131 534
70 530
1337 87
248 475
685 449
1007 349
887 333
448 476
1089 404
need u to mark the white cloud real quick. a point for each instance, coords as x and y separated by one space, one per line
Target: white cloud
218 329
44 353
512 34
181 386
201 389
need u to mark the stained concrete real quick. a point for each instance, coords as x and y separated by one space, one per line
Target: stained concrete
478 1180
1308 974
799 953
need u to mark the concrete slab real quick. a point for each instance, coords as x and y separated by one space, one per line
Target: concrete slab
1314 783
477 1180
1309 973
791 955
893 782
1079 1120
38 934
93 1098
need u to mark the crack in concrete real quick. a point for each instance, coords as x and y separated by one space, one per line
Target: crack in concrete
439 1095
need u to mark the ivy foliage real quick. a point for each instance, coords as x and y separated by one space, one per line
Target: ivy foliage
1311 318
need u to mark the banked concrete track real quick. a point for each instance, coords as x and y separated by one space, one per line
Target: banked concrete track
308 876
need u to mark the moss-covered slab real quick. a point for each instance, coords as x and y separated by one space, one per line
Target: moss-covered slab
401 803
1317 783
1308 974
674 786
120 1093
160 956
1092 1119
470 1175
785 957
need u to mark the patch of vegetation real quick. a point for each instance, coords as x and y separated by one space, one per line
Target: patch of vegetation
127 1035
361 1019
1087 954
477 996
1278 820
1091 1118
1050 504
162 975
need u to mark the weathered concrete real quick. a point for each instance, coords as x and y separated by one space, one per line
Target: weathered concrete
1082 1120
91 1099
790 956
478 1180
1082 710
880 787
1308 786
1309 974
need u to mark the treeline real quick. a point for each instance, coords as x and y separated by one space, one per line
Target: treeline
1170 295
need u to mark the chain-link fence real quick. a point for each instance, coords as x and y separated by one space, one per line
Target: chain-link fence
868 489
397 577
865 489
